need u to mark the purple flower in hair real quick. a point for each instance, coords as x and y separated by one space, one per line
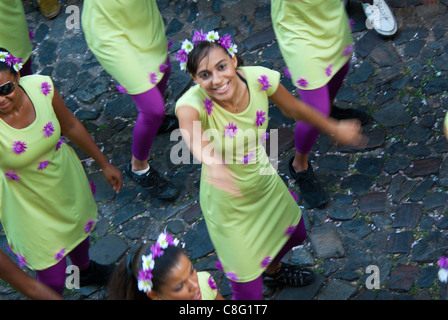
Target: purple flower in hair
199 36
89 226
208 106
443 262
43 165
19 147
181 56
59 255
156 250
12 175
46 88
260 118
302 82
264 82
226 41
48 129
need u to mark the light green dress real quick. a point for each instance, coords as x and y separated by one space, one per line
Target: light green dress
206 282
14 35
246 232
46 202
314 37
128 39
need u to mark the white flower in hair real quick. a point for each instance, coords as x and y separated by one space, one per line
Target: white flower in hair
183 66
212 36
232 50
3 55
163 241
147 262
187 46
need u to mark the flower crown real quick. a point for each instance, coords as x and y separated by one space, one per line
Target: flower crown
145 274
211 36
10 60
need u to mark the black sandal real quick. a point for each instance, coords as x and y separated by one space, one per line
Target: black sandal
291 275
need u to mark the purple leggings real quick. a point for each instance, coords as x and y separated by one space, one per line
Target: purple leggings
151 111
253 290
54 276
320 98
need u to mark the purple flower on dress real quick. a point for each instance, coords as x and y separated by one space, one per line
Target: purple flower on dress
287 73
347 50
219 265
59 255
302 82
208 106
89 226
290 231
48 129
198 36
46 88
19 147
294 195
153 78
212 283
264 82
60 142
12 175
21 260
266 261
232 276
329 70
32 34
230 130
181 56
170 44
92 187
264 137
43 165
352 24
121 89
260 118
156 250
248 158
163 67
226 41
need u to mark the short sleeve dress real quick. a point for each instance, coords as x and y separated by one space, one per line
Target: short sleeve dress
14 35
314 37
246 232
207 286
46 202
128 39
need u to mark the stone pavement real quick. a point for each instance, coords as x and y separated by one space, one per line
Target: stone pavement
388 202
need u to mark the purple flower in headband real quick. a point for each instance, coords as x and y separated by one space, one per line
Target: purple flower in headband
199 36
226 41
156 250
48 129
181 56
19 147
46 88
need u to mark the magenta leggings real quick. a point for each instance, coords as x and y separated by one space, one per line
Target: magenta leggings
151 111
253 290
320 98
54 276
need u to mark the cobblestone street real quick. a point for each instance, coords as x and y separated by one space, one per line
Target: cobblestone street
388 203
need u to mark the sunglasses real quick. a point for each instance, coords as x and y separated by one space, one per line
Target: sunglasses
7 88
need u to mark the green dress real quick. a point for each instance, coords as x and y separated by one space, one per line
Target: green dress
46 202
14 34
314 37
128 39
246 232
207 286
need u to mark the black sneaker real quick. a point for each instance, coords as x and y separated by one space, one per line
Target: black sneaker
312 192
290 275
169 124
343 114
96 274
152 181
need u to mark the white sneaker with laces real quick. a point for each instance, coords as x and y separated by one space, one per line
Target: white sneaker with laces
380 18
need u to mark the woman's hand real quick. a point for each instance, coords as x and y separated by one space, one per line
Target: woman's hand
221 177
349 132
113 176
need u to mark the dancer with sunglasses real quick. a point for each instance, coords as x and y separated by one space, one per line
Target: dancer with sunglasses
47 207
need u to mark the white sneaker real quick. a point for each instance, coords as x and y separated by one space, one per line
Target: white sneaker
380 18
